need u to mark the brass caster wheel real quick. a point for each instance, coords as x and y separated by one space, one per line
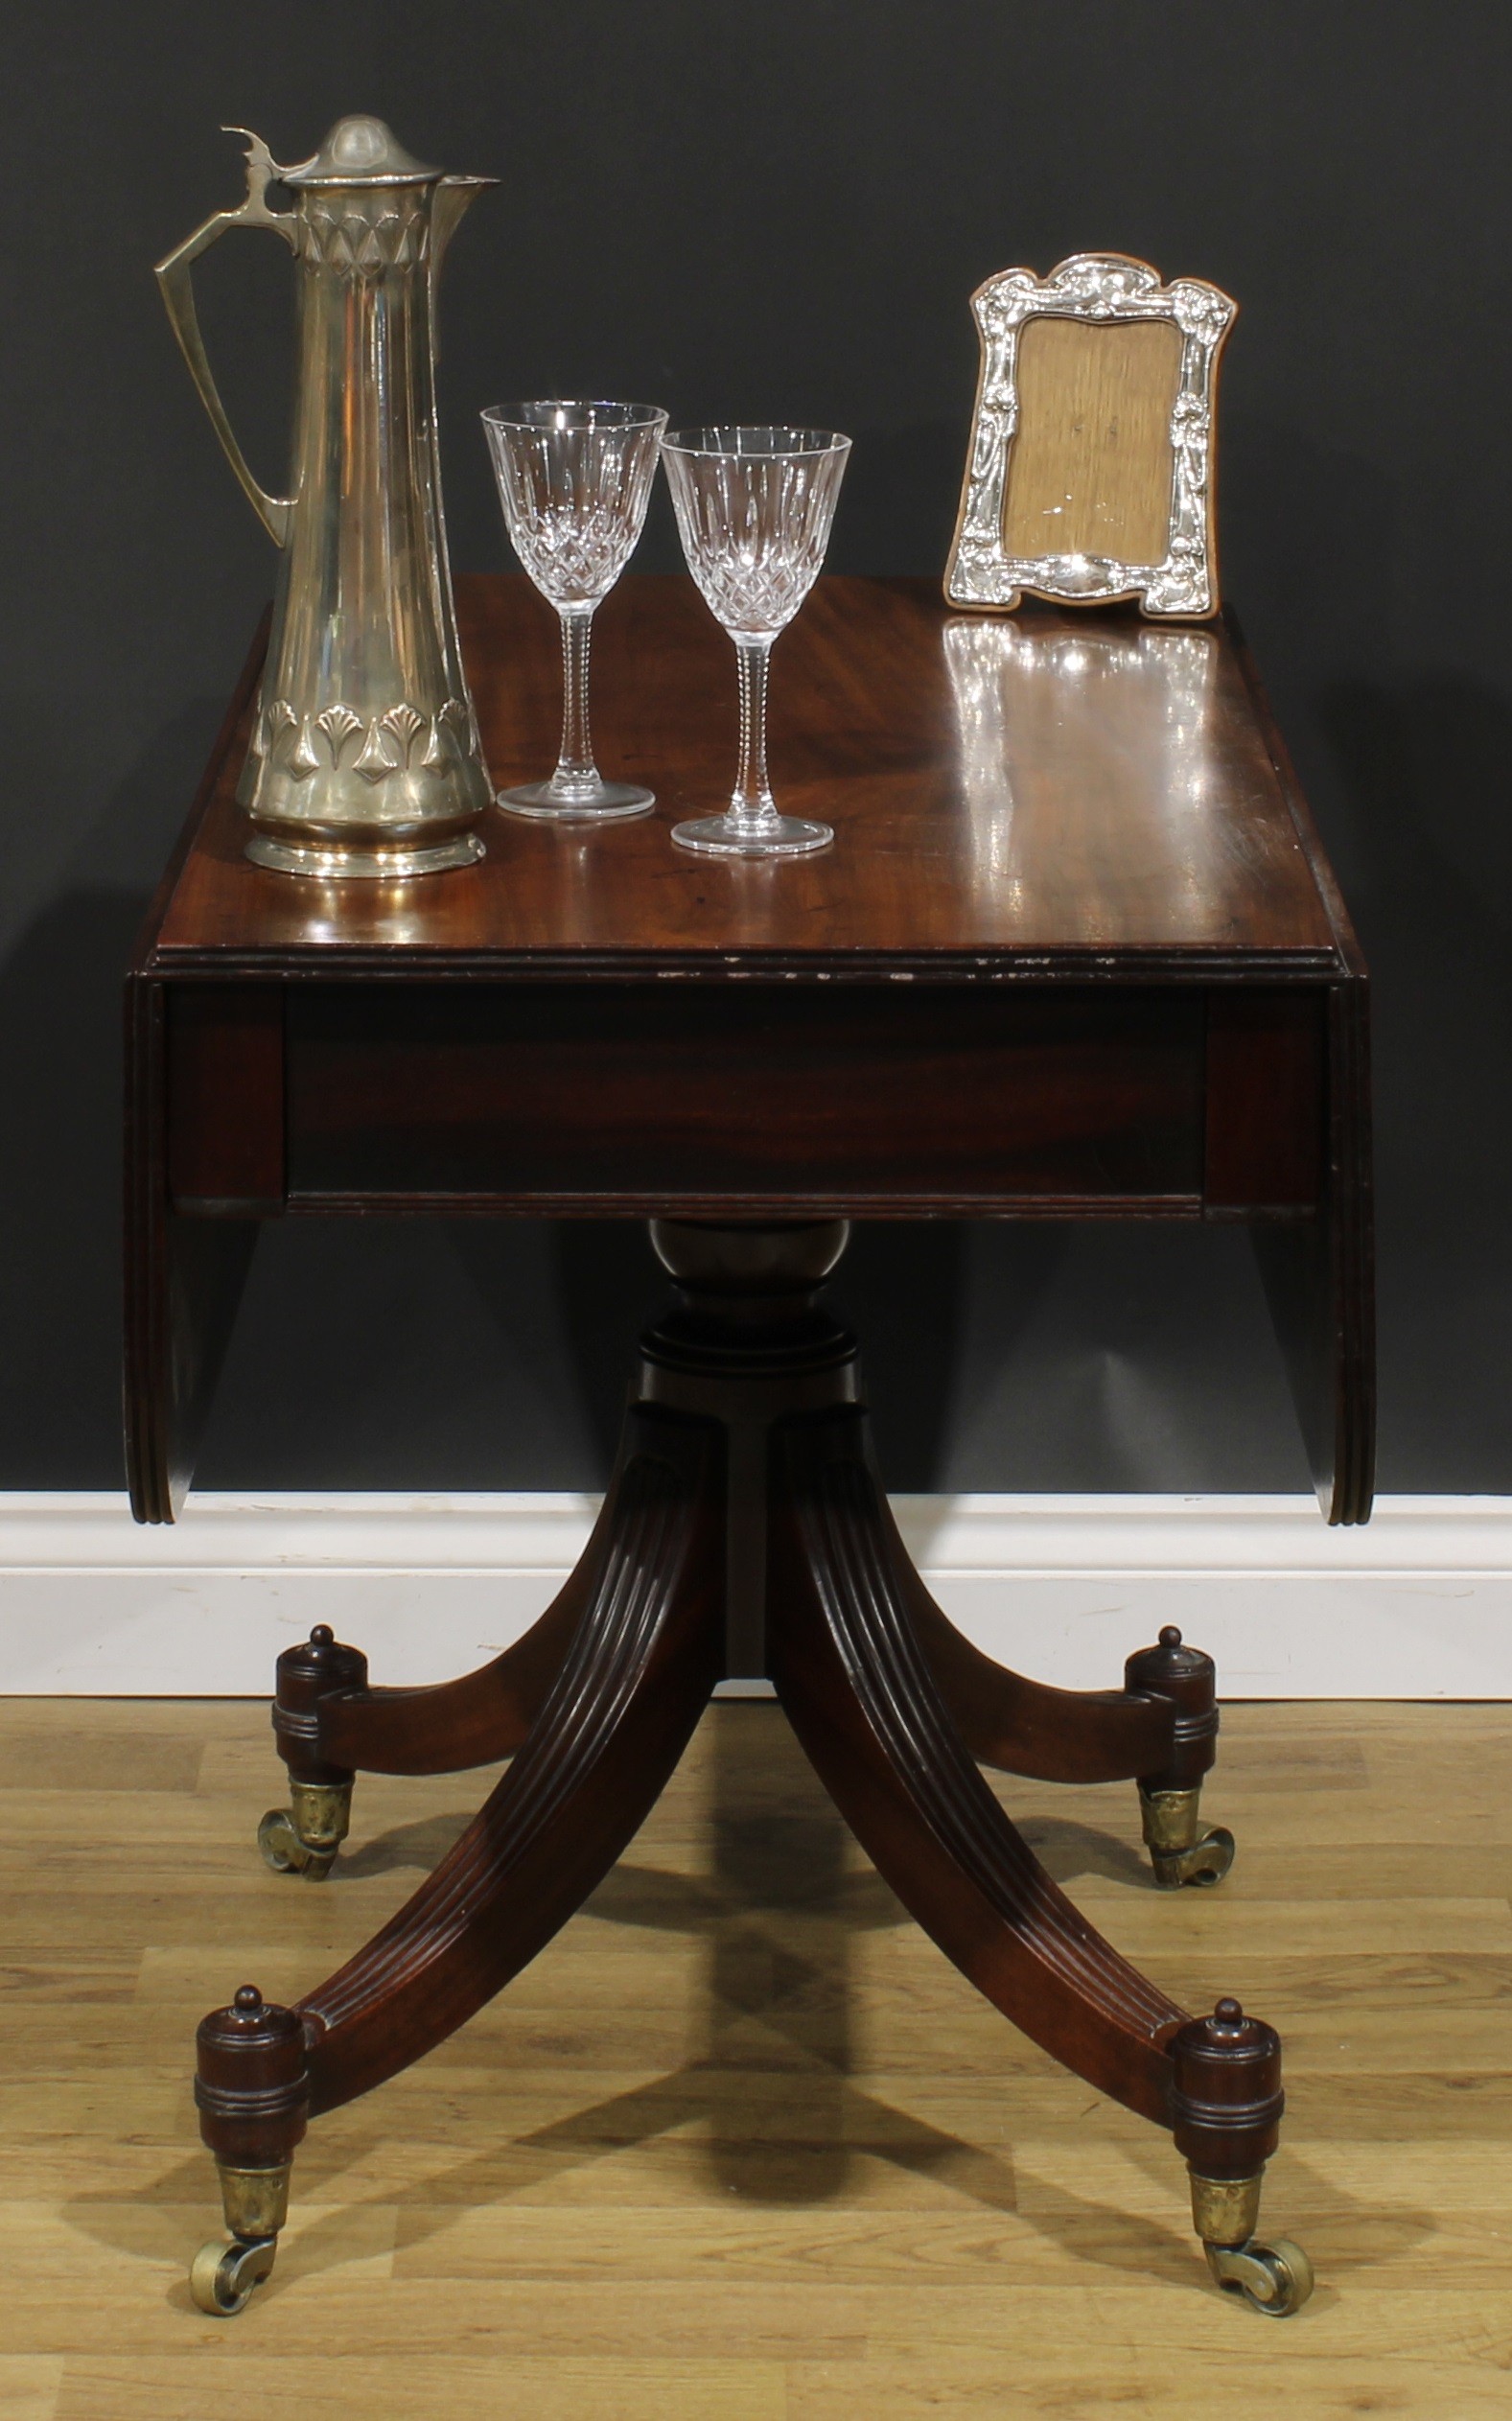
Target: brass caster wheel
222 2276
1206 1861
1275 2278
304 1838
286 1854
1168 1820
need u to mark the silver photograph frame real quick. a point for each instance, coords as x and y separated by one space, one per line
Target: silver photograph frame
1100 288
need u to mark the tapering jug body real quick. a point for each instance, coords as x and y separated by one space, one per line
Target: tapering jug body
365 757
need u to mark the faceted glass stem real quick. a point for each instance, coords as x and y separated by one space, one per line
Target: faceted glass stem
577 772
753 807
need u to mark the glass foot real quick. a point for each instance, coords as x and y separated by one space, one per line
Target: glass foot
596 802
721 836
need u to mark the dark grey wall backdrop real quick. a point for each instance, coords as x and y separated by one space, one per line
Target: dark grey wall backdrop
778 208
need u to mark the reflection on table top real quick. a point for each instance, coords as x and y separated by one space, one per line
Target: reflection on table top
1054 782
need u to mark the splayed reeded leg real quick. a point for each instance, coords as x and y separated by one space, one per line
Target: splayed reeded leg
635 1678
864 1701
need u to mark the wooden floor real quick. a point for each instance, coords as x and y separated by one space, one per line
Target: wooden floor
741 2146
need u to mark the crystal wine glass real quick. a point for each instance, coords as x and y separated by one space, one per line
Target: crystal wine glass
754 508
574 480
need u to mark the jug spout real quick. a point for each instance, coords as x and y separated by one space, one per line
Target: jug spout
454 197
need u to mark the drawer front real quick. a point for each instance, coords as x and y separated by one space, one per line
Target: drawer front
886 1097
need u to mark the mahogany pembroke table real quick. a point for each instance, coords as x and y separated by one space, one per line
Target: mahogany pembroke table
1076 953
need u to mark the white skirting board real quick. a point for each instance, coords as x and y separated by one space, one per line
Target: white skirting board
1416 1605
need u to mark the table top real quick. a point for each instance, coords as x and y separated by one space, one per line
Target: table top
1057 791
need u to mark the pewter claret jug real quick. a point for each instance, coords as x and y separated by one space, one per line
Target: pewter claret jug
365 757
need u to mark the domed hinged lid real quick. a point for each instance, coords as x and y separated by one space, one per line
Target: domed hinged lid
361 152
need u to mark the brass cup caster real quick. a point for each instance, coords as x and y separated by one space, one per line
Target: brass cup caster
304 1837
222 2276
1178 1851
1274 2278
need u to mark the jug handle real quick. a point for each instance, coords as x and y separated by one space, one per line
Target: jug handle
174 279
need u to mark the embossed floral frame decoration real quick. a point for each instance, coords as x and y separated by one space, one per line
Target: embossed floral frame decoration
1101 289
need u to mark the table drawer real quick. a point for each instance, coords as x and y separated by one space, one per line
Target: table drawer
885 1097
